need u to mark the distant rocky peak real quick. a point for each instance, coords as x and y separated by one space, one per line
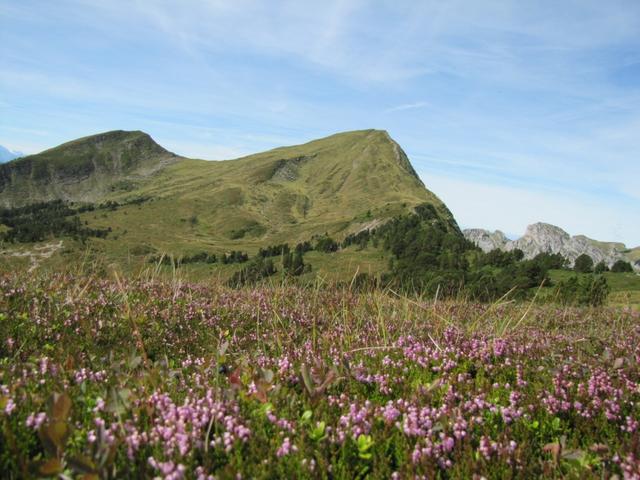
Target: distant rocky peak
544 231
543 237
485 239
7 155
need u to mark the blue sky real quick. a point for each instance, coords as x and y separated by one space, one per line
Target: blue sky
511 111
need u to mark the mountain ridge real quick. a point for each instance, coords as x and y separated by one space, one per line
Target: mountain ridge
543 237
335 185
84 169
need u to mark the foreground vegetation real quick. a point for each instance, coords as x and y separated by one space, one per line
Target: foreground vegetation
137 379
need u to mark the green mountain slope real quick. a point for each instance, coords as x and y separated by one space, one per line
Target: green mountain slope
336 185
86 169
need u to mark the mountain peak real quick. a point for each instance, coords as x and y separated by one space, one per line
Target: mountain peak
365 146
82 169
107 140
541 229
7 155
543 237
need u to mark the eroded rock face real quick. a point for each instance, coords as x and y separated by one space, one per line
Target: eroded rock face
542 237
485 239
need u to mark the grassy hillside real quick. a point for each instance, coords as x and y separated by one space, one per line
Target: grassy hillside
335 185
633 254
87 169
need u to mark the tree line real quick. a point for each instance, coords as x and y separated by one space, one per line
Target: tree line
584 264
262 266
430 257
202 257
44 220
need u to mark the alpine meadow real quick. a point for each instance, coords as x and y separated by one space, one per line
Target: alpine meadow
329 307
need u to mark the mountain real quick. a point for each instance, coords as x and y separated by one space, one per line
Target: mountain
485 239
6 154
543 237
337 185
85 170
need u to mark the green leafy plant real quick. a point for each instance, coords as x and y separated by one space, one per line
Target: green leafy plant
364 444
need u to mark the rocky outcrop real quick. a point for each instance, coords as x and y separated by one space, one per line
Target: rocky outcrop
486 240
542 237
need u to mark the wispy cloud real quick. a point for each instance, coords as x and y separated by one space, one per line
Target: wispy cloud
407 106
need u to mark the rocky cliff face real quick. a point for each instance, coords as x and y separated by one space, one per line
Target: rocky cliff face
542 237
485 239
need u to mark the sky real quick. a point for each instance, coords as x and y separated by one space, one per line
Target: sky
512 112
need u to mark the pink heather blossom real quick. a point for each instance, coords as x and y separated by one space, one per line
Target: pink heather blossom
9 407
35 420
631 425
286 448
170 470
390 413
487 447
201 474
448 443
100 405
630 466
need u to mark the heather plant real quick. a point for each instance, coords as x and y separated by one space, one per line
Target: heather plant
154 379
